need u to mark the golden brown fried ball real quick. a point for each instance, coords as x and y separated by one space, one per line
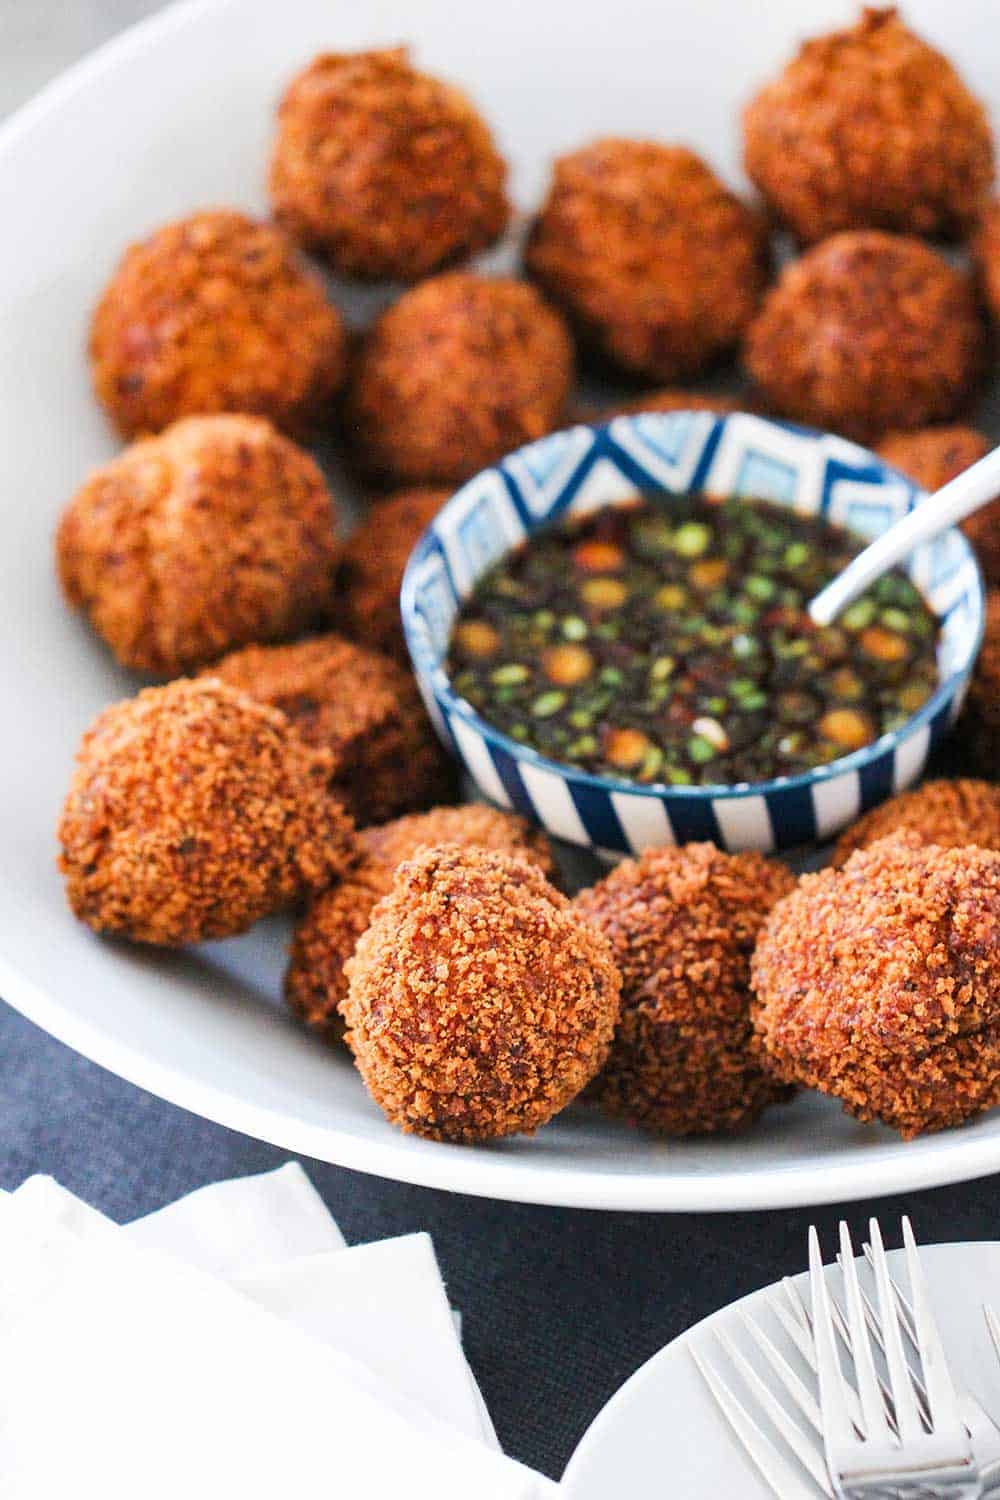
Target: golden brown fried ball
325 938
473 825
460 371
869 127
986 249
669 400
215 313
949 813
682 925
866 332
382 170
879 983
193 812
657 264
934 456
373 564
980 722
216 532
480 1003
361 706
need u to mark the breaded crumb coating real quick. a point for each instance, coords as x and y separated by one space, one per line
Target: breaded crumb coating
949 813
979 726
384 171
362 707
868 331
216 532
682 924
193 812
372 566
879 983
460 371
215 313
315 982
658 266
480 1003
869 127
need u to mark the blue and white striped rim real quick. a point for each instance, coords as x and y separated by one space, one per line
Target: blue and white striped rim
584 468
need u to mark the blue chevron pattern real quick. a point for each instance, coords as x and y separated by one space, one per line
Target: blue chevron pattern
667 453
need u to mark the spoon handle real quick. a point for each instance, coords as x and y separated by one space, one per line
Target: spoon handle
950 504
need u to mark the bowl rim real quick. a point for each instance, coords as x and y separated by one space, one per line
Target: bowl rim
432 672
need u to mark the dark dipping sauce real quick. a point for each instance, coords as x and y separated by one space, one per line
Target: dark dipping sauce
668 641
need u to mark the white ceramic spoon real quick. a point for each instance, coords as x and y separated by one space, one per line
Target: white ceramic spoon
951 504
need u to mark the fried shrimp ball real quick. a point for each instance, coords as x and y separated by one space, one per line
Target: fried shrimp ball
986 250
215 313
473 825
682 925
869 127
980 721
949 813
325 938
193 812
671 400
373 563
934 456
879 983
480 1003
382 170
216 532
461 370
657 264
866 332
363 708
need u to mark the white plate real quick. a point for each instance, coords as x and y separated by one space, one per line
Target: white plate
175 115
662 1433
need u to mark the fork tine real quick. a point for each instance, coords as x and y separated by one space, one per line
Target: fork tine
798 1325
874 1324
875 1331
906 1323
872 1405
908 1423
840 1327
942 1401
805 1450
837 1428
774 1469
796 1388
902 1302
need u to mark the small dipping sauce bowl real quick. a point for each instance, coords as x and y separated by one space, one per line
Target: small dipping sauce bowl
585 468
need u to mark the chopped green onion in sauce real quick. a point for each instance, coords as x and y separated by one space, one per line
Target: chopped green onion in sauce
668 642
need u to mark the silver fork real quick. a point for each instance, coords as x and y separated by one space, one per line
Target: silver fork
778 1474
807 1446
979 1424
905 1455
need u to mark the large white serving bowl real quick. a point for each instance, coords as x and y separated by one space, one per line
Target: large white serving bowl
174 116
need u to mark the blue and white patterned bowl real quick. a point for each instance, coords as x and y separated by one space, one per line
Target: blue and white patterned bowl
583 468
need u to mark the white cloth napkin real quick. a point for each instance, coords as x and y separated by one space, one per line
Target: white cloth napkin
230 1344
233 1227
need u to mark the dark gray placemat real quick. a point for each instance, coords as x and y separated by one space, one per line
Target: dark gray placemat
559 1305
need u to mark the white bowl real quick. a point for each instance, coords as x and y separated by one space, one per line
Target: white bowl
174 116
667 454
